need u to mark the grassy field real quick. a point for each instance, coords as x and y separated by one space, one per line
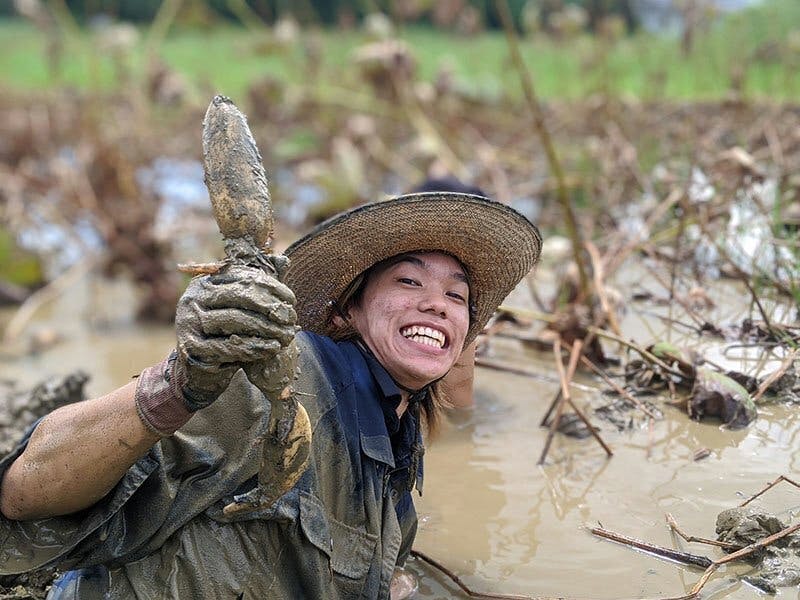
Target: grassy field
760 46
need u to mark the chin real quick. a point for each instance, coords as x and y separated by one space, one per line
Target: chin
428 377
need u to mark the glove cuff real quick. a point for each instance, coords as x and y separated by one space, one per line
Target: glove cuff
158 397
179 383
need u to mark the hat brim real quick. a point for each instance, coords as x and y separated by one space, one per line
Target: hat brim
497 246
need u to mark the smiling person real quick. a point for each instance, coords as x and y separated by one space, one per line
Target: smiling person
126 492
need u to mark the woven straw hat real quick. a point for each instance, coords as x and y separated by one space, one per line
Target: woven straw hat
496 244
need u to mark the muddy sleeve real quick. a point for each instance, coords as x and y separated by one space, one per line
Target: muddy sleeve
179 478
28 545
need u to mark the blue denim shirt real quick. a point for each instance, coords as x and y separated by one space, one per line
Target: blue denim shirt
161 533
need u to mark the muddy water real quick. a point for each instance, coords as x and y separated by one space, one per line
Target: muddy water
489 513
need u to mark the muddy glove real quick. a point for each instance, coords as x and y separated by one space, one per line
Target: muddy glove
239 317
272 376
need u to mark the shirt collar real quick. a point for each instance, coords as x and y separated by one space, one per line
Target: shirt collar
373 384
378 420
390 390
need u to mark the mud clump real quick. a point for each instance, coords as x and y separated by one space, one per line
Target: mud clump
28 586
778 564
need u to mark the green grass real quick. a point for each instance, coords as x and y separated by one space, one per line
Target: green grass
646 66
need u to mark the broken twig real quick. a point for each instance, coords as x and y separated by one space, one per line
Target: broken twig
457 580
660 551
563 393
673 525
768 487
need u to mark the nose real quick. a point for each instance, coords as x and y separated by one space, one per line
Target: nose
434 302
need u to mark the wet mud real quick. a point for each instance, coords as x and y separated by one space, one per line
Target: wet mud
777 565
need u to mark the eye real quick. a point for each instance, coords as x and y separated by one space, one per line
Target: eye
457 296
408 281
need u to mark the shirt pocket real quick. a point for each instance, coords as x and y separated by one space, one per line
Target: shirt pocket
349 550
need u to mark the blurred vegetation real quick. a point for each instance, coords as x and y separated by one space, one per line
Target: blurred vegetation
372 106
18 266
342 12
755 52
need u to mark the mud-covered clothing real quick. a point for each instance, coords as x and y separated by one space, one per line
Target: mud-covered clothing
339 533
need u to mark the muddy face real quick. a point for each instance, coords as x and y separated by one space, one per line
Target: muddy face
414 317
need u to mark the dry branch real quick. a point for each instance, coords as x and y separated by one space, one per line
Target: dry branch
563 398
660 551
563 393
547 142
619 389
673 525
768 487
43 295
599 287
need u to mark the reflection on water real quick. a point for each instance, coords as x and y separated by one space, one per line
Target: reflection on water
489 513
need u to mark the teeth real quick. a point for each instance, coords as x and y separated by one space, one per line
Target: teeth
424 335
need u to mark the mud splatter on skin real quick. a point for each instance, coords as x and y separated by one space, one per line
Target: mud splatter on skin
237 186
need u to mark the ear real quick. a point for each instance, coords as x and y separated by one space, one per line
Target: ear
340 328
339 321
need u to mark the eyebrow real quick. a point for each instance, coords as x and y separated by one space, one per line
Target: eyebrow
457 275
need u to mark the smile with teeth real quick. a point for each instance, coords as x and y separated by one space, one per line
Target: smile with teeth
424 335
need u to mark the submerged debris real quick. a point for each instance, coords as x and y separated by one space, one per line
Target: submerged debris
744 533
717 395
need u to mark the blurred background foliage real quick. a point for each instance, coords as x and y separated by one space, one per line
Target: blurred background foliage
344 12
650 49
101 104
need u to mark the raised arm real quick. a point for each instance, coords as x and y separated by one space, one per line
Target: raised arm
77 454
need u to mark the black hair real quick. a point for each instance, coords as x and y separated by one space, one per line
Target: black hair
447 183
